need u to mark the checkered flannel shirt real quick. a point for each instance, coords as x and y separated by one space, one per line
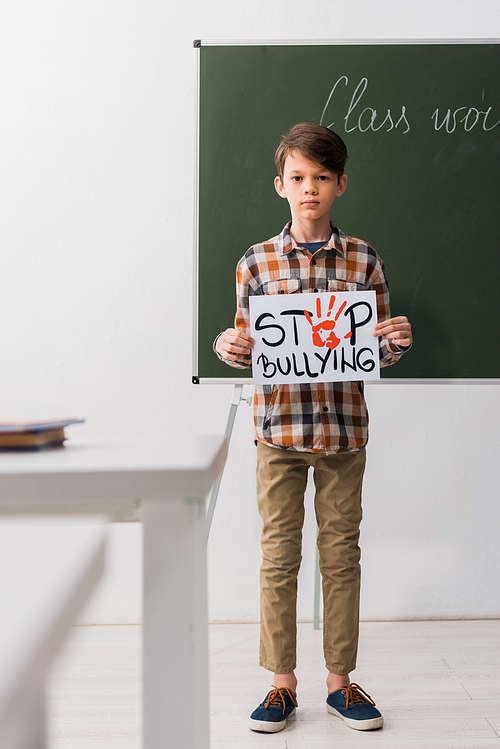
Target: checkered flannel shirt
324 417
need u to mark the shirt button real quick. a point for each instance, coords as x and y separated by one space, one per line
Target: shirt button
282 291
325 408
315 291
314 262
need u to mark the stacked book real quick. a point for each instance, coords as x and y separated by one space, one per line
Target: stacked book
34 435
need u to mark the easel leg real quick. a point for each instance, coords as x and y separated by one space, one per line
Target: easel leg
235 402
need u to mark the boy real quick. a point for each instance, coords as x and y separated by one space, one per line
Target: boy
323 426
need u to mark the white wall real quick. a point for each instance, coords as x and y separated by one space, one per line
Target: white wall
95 292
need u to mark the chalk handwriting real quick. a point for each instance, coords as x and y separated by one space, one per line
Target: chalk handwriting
469 120
369 118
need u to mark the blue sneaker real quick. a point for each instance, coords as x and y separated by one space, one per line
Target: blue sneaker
355 707
272 714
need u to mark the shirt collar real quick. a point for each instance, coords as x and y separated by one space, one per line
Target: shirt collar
337 241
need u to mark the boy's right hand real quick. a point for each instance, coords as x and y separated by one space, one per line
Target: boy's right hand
234 345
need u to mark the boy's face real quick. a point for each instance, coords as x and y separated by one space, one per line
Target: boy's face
309 188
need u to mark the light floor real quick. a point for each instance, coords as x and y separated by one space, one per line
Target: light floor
437 684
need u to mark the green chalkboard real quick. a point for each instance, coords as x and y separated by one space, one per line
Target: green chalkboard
422 126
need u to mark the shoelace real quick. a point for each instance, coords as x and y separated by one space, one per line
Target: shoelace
354 694
276 697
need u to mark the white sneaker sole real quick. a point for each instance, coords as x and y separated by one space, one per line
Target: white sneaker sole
358 725
267 726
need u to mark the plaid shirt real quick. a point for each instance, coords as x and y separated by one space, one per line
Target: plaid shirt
325 417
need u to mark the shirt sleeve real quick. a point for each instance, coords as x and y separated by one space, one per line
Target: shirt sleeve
244 286
387 354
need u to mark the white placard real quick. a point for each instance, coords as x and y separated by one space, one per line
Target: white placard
325 337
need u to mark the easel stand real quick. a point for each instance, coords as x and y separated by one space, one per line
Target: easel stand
235 402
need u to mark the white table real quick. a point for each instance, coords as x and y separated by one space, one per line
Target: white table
46 575
163 484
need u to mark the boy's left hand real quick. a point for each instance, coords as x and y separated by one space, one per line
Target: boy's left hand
397 329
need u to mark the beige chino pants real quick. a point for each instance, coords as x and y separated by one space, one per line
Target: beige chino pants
281 484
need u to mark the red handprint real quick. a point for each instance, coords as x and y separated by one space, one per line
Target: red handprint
323 332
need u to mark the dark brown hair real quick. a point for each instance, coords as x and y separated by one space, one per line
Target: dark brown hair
315 142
